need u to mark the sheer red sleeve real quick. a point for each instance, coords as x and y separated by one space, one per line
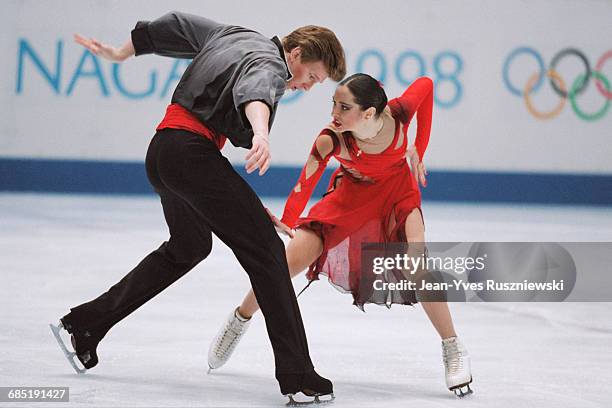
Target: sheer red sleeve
325 146
418 98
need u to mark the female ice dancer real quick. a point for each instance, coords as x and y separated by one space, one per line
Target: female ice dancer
372 197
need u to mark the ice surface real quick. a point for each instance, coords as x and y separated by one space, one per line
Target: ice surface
57 251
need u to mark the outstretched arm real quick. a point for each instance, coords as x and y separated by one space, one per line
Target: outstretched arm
418 98
116 54
177 35
322 150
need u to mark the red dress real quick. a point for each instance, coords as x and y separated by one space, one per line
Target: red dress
368 199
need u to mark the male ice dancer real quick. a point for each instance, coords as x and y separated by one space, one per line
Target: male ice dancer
231 91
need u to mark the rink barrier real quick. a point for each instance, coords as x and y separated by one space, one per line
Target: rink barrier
106 177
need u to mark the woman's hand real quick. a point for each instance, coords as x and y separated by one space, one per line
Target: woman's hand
280 227
104 50
417 166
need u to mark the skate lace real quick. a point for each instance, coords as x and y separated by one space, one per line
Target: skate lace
228 340
453 357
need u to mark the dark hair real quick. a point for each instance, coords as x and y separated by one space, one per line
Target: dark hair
318 44
368 92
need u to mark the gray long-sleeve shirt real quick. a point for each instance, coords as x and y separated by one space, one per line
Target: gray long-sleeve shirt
231 66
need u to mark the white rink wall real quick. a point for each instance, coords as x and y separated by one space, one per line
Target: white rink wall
81 111
63 108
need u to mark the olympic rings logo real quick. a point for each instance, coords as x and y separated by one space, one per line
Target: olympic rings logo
578 86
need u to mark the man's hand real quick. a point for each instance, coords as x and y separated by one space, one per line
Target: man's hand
104 50
258 115
280 227
417 166
259 155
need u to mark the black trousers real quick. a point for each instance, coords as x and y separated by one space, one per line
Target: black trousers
202 194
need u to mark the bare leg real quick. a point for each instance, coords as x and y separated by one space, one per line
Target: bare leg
438 312
302 251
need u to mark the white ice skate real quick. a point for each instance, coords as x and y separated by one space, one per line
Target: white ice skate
457 366
226 340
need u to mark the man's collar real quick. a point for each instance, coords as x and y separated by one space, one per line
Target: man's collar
278 43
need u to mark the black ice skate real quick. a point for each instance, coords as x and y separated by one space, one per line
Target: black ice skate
83 344
313 389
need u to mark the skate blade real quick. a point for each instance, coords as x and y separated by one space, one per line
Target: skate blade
460 392
300 400
70 355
